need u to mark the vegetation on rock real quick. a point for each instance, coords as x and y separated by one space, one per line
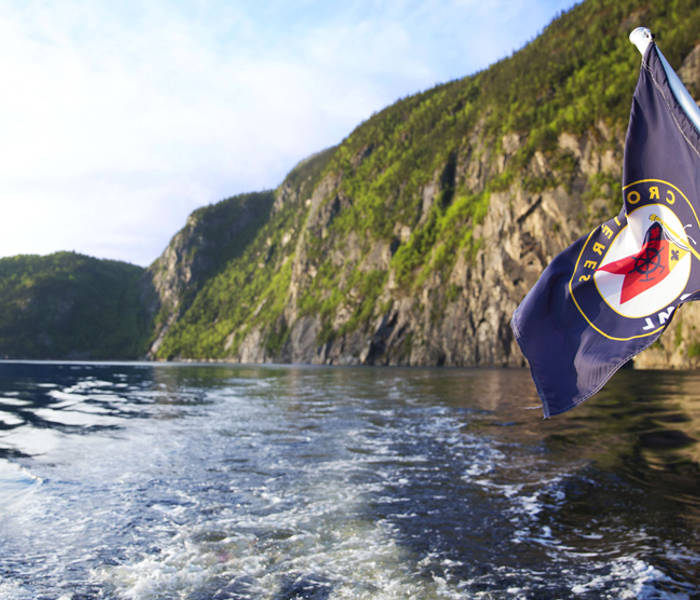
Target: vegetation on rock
412 241
386 216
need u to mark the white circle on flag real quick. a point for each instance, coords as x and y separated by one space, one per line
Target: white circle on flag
629 242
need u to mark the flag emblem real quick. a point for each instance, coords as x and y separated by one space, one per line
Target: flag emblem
638 281
645 269
640 263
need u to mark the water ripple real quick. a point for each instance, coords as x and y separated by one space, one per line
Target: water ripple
162 481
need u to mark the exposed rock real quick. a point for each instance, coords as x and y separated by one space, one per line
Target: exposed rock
459 314
211 237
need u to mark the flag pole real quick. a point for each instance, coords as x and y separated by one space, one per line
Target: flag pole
641 37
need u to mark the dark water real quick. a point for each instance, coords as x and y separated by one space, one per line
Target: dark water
214 482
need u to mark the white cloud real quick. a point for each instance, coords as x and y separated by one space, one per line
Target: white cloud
119 119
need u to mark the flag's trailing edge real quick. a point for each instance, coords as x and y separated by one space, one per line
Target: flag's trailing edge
613 292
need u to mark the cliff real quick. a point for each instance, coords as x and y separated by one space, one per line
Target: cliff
413 241
212 236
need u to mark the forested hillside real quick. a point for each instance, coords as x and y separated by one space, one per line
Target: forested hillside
411 241
68 305
414 239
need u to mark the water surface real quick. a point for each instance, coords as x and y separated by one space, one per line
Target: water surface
137 481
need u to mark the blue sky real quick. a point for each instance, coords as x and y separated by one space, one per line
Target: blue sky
119 119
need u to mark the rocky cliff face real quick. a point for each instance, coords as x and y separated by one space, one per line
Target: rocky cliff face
212 237
458 316
413 241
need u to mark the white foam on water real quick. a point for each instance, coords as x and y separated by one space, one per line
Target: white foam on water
171 573
483 458
296 505
629 578
364 563
315 533
10 590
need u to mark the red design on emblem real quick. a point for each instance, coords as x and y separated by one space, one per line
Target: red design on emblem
646 268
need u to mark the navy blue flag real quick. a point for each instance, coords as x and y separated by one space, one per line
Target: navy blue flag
613 292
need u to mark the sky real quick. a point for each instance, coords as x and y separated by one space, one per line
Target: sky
118 119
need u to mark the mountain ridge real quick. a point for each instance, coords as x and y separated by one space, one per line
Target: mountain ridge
413 240
433 218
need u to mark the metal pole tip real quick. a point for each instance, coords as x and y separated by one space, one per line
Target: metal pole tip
641 37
